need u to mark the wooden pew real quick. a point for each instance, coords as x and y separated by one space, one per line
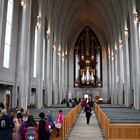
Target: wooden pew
69 119
119 128
124 132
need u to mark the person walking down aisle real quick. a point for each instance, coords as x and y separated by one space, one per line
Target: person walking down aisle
81 131
88 113
43 128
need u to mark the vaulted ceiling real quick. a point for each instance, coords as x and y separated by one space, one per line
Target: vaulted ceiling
100 15
103 16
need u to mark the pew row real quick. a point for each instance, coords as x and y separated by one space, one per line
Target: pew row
119 123
70 114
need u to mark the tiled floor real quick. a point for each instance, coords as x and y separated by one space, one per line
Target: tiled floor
82 131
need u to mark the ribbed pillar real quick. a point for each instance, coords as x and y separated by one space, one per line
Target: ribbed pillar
49 73
63 77
110 77
57 68
126 69
120 74
115 76
66 77
39 79
136 53
24 52
55 75
60 80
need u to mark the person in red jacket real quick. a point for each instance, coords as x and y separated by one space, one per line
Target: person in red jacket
84 104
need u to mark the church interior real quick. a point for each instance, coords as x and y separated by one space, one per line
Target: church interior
51 50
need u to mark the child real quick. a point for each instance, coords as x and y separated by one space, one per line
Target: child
58 121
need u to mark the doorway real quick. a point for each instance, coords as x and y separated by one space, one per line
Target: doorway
86 96
7 104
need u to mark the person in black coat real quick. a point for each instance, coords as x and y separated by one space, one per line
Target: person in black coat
6 126
43 129
88 113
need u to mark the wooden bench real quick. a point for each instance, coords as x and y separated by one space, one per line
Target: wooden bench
70 114
119 123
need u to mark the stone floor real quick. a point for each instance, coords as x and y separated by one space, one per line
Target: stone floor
82 131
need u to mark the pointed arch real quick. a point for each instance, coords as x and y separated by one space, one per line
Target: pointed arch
87 60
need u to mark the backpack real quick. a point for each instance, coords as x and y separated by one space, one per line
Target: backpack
31 133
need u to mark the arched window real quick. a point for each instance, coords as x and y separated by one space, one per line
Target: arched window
8 30
87 60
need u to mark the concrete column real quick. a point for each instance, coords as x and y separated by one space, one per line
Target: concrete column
120 74
127 70
116 77
14 96
45 74
109 75
63 78
55 75
24 53
49 73
112 79
136 52
39 85
57 66
66 78
60 80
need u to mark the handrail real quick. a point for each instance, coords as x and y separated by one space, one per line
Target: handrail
68 122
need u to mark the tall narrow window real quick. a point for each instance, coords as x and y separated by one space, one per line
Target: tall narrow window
7 43
35 52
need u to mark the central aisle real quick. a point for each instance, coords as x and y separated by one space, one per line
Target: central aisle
82 131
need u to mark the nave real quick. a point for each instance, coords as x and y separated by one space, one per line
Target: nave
82 131
78 130
55 50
